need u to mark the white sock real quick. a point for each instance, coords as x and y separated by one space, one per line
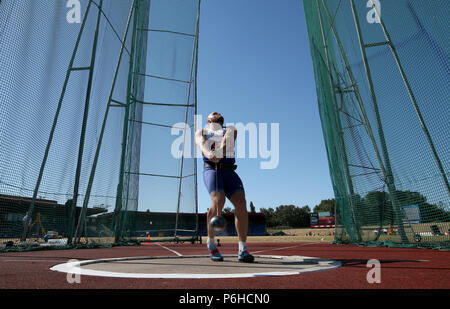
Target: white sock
242 246
210 241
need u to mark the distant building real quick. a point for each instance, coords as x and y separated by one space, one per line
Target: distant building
53 216
162 224
256 224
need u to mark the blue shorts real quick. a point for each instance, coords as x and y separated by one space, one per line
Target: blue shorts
228 181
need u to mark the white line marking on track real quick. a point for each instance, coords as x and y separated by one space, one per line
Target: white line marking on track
173 251
290 247
77 267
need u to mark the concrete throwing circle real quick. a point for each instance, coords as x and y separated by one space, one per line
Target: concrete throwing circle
196 267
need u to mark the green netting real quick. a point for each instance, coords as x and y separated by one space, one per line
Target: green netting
382 87
89 111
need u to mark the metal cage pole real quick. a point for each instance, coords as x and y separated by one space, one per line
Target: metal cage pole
118 218
338 121
55 122
187 114
102 132
359 99
131 124
84 123
134 84
195 129
389 176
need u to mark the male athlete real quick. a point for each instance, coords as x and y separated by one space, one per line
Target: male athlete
217 146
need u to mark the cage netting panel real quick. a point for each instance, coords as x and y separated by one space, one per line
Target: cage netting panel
97 104
382 79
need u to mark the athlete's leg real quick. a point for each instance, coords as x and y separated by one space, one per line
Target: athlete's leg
217 203
216 192
241 221
214 185
234 191
240 214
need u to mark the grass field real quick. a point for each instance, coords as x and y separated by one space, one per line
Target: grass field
287 235
292 235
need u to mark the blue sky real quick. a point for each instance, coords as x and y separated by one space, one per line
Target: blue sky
255 66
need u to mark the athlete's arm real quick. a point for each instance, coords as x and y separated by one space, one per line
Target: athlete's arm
205 146
228 141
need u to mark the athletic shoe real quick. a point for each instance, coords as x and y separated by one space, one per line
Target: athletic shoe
245 257
214 254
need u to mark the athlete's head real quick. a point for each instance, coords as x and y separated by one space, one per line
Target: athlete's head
215 119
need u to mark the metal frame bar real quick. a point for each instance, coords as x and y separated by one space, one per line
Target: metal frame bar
162 104
168 31
338 122
194 51
357 93
118 218
363 174
353 126
354 118
164 78
80 69
111 25
55 122
157 124
195 129
84 125
134 83
102 131
376 44
159 175
362 111
118 103
388 171
359 99
360 166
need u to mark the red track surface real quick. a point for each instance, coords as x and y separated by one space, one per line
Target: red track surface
400 268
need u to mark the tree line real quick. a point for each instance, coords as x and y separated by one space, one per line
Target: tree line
377 208
294 216
373 208
290 215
